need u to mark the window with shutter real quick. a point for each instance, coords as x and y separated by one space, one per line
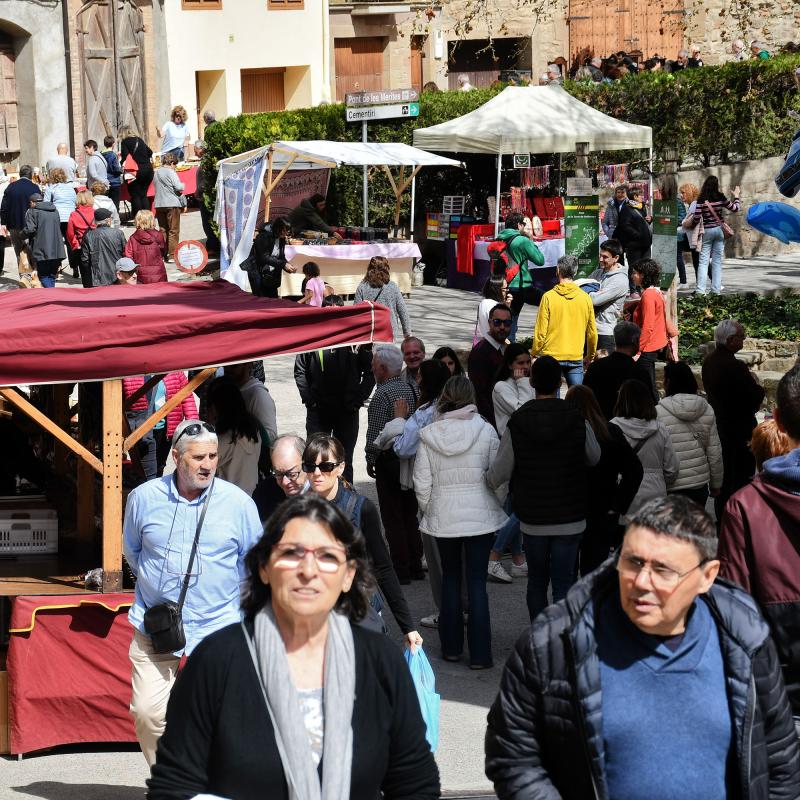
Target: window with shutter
194 5
285 5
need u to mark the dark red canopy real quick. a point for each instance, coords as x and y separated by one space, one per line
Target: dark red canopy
65 335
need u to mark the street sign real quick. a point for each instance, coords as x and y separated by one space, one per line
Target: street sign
369 113
380 96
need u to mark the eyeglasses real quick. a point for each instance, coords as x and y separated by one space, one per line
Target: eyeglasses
501 323
194 430
323 466
292 474
290 556
664 578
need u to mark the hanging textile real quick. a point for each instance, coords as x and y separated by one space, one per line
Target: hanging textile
535 177
517 199
613 174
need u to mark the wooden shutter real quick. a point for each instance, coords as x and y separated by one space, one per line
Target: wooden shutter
359 64
285 5
194 5
262 90
9 126
417 55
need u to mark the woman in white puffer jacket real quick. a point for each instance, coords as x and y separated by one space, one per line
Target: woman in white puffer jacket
461 512
693 429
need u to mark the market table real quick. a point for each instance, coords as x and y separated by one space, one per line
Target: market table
343 266
69 677
188 177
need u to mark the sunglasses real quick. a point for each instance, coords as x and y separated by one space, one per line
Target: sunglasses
501 323
194 429
323 466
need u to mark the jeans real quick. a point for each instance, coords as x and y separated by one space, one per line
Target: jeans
510 532
146 447
475 550
572 371
683 247
551 559
713 248
519 297
648 361
47 270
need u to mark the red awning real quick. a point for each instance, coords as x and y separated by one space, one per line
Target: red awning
77 334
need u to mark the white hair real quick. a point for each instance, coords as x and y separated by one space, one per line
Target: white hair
683 52
463 78
737 44
200 144
726 329
390 356
555 69
180 443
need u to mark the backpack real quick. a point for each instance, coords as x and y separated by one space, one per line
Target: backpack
501 265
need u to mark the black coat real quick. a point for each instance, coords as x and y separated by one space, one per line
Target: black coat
545 739
341 382
606 375
268 267
632 230
306 217
16 202
615 478
219 738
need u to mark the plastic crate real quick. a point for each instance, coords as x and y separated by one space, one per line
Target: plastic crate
454 204
28 532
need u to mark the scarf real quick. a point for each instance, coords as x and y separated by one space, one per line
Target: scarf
269 658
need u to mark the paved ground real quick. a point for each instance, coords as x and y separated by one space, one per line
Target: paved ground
440 316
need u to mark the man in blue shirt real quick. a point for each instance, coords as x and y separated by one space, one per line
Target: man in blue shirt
652 680
161 518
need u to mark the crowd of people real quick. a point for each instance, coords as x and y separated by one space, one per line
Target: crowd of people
609 481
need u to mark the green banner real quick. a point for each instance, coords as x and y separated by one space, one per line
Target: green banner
582 228
665 239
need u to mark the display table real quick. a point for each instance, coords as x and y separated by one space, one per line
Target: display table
343 266
69 677
188 177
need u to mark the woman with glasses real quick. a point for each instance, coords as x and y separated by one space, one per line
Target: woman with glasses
637 418
297 702
323 463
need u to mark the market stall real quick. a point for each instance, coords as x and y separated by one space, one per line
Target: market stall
524 121
244 178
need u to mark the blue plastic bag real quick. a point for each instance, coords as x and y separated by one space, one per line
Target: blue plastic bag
776 219
429 701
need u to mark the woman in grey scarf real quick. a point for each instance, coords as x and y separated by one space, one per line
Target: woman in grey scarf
269 708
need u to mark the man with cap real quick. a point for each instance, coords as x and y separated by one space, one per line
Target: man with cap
127 272
43 229
102 247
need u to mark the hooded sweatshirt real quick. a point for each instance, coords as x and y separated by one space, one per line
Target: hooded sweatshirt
521 250
453 456
565 324
43 228
693 431
148 248
652 444
759 547
609 298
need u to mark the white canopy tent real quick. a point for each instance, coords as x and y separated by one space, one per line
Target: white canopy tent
315 154
532 119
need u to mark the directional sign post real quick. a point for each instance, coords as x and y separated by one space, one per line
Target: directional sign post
368 113
381 97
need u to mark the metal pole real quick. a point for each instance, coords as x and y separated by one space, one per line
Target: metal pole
365 188
413 197
497 196
650 174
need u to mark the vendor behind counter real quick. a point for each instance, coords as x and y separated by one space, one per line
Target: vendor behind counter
308 217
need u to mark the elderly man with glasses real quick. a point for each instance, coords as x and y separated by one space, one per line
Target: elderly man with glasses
163 517
650 680
486 357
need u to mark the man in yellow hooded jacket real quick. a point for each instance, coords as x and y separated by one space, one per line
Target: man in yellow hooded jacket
565 325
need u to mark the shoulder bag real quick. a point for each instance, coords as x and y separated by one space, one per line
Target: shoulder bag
727 231
163 623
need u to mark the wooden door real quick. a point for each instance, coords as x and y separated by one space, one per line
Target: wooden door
111 50
262 90
417 54
9 125
358 64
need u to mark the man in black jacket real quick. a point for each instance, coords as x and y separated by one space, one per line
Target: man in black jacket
606 375
650 680
14 207
267 261
633 233
334 384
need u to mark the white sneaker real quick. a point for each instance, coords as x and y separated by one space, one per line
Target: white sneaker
496 572
430 622
424 563
519 570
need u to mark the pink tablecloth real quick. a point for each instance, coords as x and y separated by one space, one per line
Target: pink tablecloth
187 177
355 252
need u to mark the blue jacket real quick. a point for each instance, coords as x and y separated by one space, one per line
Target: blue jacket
114 170
16 203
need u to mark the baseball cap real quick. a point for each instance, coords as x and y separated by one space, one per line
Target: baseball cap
126 265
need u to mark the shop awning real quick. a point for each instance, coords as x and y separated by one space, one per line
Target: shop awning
532 119
118 331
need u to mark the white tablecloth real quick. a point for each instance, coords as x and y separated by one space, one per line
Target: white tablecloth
343 266
552 250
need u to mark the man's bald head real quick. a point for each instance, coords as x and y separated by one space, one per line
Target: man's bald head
62 149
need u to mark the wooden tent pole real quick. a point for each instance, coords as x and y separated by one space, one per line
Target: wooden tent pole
13 396
268 202
112 486
61 417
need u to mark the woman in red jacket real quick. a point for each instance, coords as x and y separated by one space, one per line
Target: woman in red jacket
651 316
147 247
80 221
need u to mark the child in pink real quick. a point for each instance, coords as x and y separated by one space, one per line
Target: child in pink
314 286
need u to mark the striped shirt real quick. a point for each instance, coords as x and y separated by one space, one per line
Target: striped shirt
381 410
709 221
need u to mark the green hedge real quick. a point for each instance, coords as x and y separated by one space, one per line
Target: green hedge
732 111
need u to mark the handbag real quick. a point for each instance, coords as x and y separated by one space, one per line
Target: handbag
163 623
727 231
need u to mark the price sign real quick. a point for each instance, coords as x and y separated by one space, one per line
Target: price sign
191 256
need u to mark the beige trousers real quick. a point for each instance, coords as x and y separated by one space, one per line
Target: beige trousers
152 677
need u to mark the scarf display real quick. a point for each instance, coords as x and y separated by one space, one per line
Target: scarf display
612 175
269 657
535 177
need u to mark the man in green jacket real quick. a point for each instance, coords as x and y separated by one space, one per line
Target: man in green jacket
520 250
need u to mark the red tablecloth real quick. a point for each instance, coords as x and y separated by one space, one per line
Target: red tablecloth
187 177
69 677
467 234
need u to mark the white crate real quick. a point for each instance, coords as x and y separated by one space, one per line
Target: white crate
28 532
